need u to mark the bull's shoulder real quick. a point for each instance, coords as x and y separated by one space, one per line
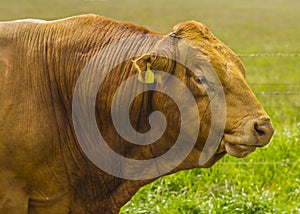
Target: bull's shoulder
15 26
25 30
91 23
10 30
6 32
85 25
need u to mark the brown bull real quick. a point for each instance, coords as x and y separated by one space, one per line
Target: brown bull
43 168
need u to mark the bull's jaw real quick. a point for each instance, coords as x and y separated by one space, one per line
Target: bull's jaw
217 156
221 152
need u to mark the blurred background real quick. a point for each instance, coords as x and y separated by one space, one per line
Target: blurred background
266 35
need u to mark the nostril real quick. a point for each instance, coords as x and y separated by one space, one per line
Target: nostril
259 129
263 130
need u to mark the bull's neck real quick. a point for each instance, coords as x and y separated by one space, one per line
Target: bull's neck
66 59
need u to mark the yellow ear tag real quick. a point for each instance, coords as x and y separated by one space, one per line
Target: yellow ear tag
149 77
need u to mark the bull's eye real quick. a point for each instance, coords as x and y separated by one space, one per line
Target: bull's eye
203 81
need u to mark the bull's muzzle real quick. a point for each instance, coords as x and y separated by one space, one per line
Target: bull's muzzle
256 133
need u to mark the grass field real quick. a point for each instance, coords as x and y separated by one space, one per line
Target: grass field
268 181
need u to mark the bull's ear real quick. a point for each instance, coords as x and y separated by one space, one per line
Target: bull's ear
144 63
191 29
161 57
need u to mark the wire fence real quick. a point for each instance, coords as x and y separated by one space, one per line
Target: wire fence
259 163
278 92
268 54
272 93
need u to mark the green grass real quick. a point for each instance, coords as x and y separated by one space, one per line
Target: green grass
268 181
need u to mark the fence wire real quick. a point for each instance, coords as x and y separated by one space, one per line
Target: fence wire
258 163
277 92
270 93
277 83
268 54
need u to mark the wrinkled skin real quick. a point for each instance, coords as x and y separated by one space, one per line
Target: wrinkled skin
42 167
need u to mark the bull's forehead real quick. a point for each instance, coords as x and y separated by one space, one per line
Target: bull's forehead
222 58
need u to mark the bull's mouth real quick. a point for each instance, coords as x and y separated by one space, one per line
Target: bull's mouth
238 146
239 151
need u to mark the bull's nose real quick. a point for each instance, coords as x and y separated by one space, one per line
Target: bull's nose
263 131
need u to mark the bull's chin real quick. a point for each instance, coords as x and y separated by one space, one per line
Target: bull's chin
237 146
239 151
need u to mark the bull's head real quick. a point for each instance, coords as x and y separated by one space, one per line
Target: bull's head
247 125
